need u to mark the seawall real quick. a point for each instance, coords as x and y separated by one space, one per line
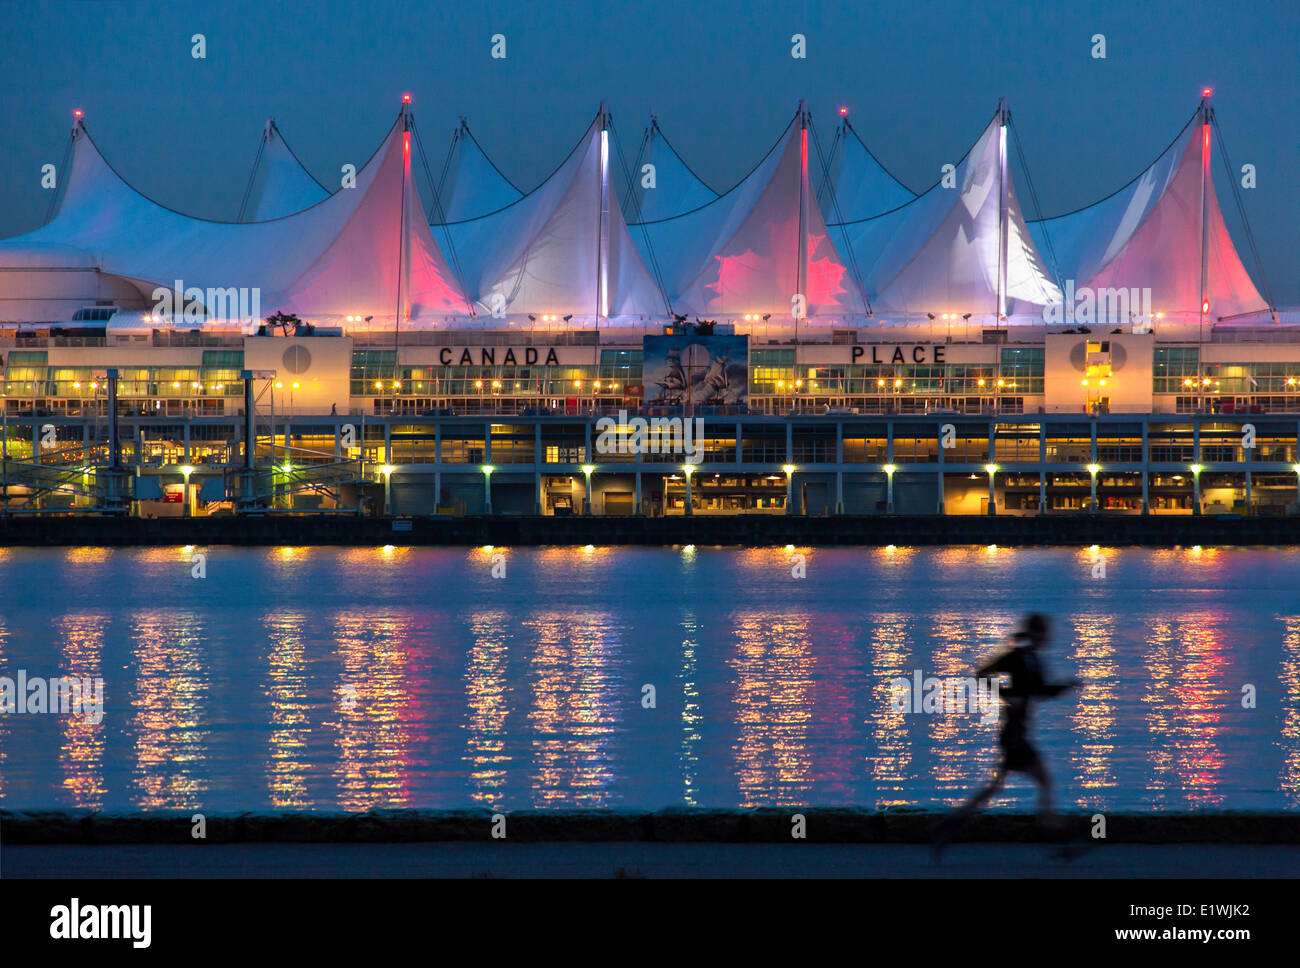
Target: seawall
738 530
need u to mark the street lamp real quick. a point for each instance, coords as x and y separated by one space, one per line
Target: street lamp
687 471
487 470
789 486
287 469
1092 473
1196 487
992 470
587 471
187 470
889 487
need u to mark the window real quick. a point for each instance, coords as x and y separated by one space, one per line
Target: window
1021 370
1175 369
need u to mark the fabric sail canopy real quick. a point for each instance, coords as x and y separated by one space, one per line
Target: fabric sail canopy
667 187
471 184
563 249
350 254
1148 236
742 253
940 253
280 185
855 185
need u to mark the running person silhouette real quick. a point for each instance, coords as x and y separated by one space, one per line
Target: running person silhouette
1027 684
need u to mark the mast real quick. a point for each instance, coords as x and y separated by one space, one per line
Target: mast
602 236
403 250
1004 117
801 278
78 129
1207 116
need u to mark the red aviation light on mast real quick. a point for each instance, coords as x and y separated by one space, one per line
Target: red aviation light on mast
406 99
1207 92
77 114
844 112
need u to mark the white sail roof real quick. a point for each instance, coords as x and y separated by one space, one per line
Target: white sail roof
665 189
856 185
1148 235
279 184
543 254
742 253
564 249
355 253
471 184
940 252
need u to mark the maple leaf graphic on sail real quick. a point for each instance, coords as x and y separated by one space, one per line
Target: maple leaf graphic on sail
767 274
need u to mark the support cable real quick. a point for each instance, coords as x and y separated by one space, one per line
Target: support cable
655 268
1033 199
452 257
1245 222
839 219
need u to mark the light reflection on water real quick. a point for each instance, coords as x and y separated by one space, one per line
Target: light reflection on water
313 678
81 755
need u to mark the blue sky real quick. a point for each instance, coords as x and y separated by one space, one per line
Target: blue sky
920 78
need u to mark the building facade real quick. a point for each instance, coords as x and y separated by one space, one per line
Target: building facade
714 420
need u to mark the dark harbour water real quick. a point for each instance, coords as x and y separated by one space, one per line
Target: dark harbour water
325 678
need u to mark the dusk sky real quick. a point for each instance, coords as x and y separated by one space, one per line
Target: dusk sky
920 79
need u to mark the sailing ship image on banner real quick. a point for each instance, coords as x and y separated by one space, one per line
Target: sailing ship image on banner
690 369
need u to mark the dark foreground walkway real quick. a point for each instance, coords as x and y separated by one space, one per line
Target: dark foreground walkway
606 860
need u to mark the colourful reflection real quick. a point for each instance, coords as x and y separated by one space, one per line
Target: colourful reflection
319 678
4 719
688 757
287 692
373 740
1184 700
487 693
890 648
773 679
82 751
1289 679
577 694
170 701
1093 715
961 742
88 555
